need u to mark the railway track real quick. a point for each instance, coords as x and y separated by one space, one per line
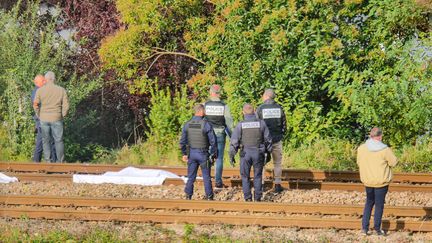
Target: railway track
291 185
287 174
209 212
294 179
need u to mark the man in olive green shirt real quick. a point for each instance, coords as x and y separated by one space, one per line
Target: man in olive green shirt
51 106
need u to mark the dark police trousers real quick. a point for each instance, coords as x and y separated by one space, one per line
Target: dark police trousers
251 157
198 158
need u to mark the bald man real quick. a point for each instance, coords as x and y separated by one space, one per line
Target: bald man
39 81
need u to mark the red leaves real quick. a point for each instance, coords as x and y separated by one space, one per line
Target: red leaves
93 20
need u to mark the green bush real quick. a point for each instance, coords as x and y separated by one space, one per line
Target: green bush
5 150
95 153
166 119
338 67
168 114
29 46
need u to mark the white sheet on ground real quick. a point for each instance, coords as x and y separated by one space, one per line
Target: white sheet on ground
129 175
7 179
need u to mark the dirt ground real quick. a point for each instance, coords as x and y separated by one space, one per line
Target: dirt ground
214 233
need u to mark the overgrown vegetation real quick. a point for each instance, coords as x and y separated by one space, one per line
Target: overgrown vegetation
30 46
324 154
338 67
416 158
27 48
167 116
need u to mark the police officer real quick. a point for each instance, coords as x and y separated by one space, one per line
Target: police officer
198 137
219 115
274 117
253 138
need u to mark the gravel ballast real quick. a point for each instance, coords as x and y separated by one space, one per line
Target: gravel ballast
177 232
315 196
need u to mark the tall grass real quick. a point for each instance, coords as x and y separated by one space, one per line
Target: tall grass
150 153
417 158
324 154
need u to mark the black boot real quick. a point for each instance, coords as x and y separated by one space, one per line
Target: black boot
188 197
248 199
210 197
219 186
278 188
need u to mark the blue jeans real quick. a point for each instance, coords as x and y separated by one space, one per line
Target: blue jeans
249 158
374 196
37 153
52 131
219 162
198 158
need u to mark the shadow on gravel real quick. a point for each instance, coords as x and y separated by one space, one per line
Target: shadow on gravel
400 225
428 211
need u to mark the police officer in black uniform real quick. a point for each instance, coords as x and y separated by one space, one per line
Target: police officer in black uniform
198 137
253 138
274 117
219 115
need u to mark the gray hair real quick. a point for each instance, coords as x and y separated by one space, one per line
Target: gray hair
50 76
269 93
375 132
248 109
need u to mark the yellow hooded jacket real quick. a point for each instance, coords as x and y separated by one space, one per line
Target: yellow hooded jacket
375 160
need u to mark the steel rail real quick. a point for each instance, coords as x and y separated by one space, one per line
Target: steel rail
303 185
27 177
269 221
291 185
287 174
224 206
82 168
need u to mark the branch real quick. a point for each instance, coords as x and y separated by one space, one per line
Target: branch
180 54
151 65
161 52
150 57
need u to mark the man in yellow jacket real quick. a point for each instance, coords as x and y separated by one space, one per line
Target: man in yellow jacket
375 160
